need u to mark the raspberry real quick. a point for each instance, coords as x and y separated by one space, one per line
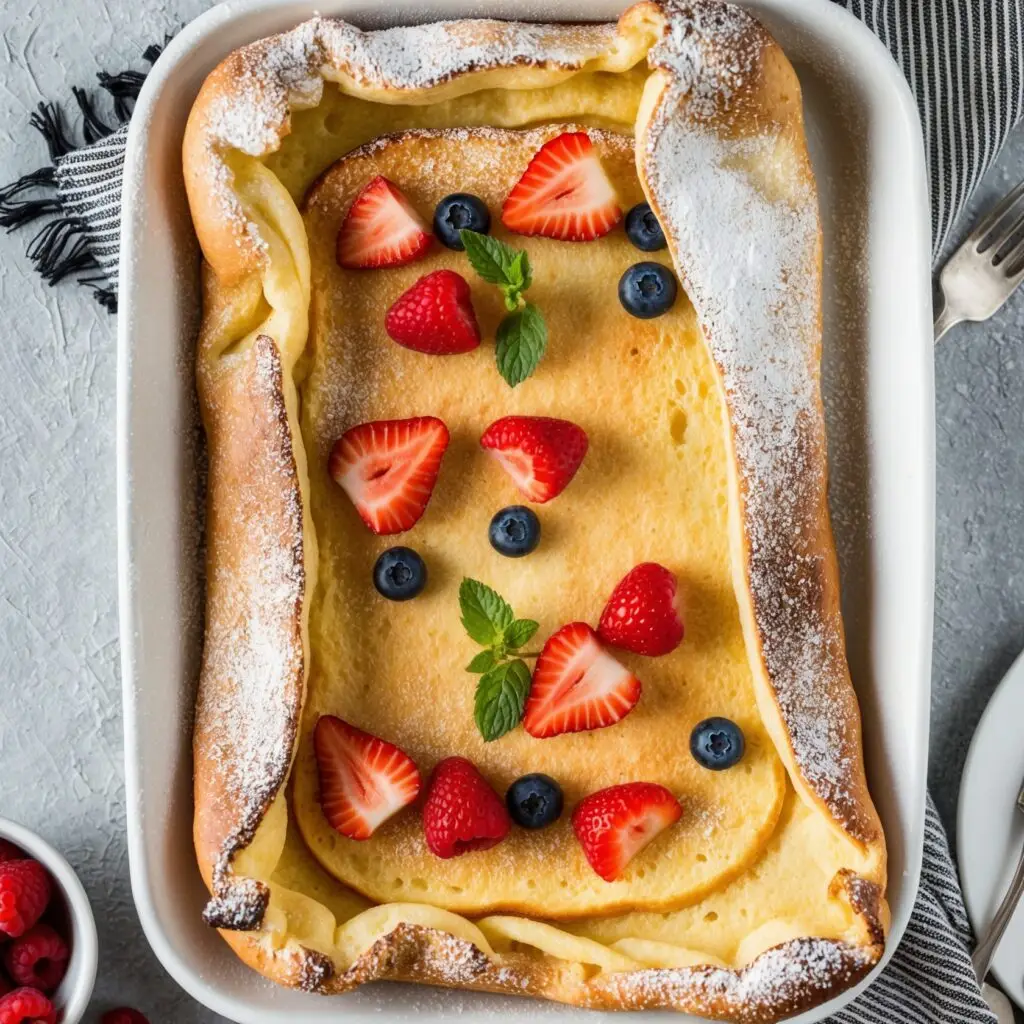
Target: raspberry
24 894
26 1006
39 958
123 1015
8 851
5 986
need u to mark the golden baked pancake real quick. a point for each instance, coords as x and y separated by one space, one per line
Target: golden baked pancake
653 487
706 454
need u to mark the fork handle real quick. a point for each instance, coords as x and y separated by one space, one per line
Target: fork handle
985 949
946 319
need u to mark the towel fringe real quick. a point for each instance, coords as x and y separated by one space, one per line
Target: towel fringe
60 249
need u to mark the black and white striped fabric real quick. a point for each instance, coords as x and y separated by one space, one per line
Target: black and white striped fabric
929 979
963 60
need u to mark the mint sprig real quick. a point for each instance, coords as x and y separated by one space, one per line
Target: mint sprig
522 335
504 677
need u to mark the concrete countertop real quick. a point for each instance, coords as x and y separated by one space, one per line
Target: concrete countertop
60 723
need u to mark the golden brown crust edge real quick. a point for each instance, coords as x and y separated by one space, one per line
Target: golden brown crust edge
230 806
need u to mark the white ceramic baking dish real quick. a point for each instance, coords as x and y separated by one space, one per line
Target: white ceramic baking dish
867 150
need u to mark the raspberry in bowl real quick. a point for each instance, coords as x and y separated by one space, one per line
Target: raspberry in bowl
48 944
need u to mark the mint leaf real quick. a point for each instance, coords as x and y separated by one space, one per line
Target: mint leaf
500 699
483 662
524 270
485 614
520 632
522 339
496 262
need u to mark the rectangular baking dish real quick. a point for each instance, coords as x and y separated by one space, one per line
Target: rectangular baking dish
866 145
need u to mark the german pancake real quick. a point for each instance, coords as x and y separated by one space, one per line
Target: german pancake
617 363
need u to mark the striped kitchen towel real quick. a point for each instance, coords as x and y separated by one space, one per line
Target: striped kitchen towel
963 60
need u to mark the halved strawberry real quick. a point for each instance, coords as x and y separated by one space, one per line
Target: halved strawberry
381 229
363 780
563 193
388 468
642 615
613 825
577 685
540 453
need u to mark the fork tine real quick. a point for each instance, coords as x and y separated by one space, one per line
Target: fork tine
1013 263
992 219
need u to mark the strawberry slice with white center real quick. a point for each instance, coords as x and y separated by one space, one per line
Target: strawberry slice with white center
388 468
577 685
540 453
363 780
564 193
381 229
613 825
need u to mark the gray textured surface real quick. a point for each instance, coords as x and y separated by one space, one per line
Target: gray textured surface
60 739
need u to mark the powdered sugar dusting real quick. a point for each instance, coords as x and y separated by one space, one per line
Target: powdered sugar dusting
253 649
781 981
754 287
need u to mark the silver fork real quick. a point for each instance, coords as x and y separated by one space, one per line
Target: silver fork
982 957
982 274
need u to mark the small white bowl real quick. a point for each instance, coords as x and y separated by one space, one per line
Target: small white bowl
73 994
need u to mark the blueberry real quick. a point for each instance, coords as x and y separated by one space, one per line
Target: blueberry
534 800
457 211
643 229
717 743
399 574
647 290
515 531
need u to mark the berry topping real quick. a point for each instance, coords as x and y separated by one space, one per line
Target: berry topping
577 685
541 454
515 531
123 1015
388 468
435 316
613 825
363 780
38 959
462 812
647 290
643 229
534 801
8 851
563 193
24 894
642 615
27 1006
717 743
381 229
399 574
457 212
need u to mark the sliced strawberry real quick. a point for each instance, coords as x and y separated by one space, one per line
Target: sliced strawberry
462 812
613 825
388 468
642 615
381 229
363 780
563 193
540 453
435 316
577 685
